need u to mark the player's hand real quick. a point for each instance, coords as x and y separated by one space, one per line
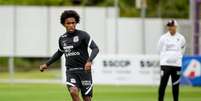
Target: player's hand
88 66
43 67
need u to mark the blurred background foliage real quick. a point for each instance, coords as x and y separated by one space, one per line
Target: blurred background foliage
155 8
26 64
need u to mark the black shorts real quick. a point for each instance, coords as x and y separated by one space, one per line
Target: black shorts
173 71
82 80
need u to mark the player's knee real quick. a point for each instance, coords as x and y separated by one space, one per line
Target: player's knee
74 91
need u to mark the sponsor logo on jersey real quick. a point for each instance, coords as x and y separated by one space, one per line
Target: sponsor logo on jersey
193 70
72 54
172 47
68 51
68 48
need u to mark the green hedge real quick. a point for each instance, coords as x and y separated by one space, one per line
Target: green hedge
155 8
25 64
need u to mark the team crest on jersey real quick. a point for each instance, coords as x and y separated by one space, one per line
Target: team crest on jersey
76 39
72 80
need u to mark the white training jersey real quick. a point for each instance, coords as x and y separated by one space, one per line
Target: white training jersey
171 49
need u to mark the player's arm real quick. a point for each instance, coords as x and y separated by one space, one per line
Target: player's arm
183 45
95 50
54 58
160 45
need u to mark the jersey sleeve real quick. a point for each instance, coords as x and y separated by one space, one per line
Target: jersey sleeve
183 45
54 58
160 45
60 46
92 45
56 55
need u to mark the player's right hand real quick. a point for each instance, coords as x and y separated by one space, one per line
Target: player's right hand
87 66
43 67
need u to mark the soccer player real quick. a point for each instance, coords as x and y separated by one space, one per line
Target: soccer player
74 45
171 47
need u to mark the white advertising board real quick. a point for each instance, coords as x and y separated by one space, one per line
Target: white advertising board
126 69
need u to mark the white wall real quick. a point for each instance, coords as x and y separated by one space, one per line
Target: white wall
6 30
153 30
95 21
37 30
130 36
31 33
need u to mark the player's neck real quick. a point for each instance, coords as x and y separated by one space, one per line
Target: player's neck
71 33
172 33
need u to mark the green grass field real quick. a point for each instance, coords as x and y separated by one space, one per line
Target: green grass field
58 92
34 74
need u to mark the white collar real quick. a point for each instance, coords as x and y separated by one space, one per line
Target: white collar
172 35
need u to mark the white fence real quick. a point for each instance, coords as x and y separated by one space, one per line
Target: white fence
33 31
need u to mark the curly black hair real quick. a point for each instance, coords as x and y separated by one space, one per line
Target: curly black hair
68 14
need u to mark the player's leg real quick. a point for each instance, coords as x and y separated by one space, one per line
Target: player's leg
175 75
87 98
87 86
73 86
74 92
165 73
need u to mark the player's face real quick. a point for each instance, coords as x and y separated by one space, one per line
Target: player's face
172 29
70 24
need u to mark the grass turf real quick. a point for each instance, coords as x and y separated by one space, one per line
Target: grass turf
58 92
34 74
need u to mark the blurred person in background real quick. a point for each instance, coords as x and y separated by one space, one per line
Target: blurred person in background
74 45
171 47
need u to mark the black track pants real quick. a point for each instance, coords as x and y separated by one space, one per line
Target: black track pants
166 72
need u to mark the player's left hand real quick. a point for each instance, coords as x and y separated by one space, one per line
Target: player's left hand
88 66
